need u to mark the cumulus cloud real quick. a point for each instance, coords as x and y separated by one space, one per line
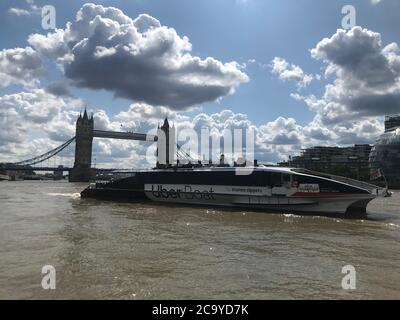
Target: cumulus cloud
365 85
281 131
59 89
139 59
20 66
51 46
362 131
35 106
35 111
12 130
366 76
290 72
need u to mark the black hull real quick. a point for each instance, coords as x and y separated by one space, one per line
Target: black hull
115 194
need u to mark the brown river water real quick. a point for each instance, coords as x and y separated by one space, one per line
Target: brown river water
107 250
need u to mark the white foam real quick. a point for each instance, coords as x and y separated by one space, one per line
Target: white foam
291 215
393 226
69 195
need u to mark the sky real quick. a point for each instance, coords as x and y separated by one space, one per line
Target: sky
289 70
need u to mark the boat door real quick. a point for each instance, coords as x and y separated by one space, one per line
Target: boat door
281 183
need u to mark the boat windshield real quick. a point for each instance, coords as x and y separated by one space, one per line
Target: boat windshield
314 173
353 182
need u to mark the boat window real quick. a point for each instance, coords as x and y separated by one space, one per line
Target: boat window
295 181
286 179
276 179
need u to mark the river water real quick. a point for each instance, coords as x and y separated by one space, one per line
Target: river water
107 250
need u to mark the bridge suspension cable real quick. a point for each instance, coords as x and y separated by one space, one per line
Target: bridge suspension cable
45 156
183 155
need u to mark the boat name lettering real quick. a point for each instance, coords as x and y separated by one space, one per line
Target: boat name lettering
248 190
187 192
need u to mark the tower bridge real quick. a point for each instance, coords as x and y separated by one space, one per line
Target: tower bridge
82 170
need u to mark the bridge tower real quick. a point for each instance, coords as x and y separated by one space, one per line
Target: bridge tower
82 171
166 146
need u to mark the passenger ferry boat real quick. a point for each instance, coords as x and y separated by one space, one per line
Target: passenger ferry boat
261 188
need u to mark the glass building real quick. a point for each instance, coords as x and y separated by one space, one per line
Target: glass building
385 154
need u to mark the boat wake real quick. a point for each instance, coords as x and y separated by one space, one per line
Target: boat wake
74 195
392 226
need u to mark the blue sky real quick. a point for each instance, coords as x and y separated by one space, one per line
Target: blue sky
250 32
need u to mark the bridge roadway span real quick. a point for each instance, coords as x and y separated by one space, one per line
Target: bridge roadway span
124 135
11 167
